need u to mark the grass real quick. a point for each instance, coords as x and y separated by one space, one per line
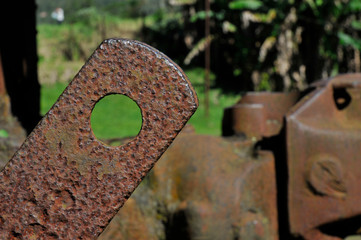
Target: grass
49 95
210 125
115 117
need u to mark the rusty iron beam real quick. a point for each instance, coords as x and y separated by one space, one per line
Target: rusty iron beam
65 183
207 57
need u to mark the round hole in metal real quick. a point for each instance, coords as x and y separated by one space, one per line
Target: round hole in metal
116 119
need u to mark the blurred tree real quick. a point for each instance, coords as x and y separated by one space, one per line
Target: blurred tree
264 45
123 9
299 42
258 45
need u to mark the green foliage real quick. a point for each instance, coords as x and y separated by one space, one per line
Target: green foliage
87 16
347 40
196 76
245 4
265 84
355 5
199 47
84 10
330 25
241 30
356 25
201 15
4 133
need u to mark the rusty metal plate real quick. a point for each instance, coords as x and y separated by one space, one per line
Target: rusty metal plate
63 182
323 145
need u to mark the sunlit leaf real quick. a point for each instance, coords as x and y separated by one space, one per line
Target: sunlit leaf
201 15
237 72
245 4
266 18
319 2
181 2
199 47
228 27
355 5
348 40
356 25
313 6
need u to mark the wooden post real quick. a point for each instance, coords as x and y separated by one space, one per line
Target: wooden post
207 59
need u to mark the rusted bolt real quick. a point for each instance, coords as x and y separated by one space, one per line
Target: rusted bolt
325 176
65 183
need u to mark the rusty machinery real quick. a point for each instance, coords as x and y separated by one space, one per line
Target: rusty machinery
323 144
280 171
287 168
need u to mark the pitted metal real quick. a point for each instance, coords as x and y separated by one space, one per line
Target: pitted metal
65 183
323 145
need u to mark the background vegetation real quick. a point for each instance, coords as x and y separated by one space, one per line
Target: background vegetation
255 45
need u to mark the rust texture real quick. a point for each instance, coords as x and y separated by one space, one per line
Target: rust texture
63 182
218 196
204 187
323 145
258 114
208 187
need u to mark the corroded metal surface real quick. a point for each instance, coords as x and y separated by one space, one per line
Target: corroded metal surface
323 145
63 182
205 187
258 114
